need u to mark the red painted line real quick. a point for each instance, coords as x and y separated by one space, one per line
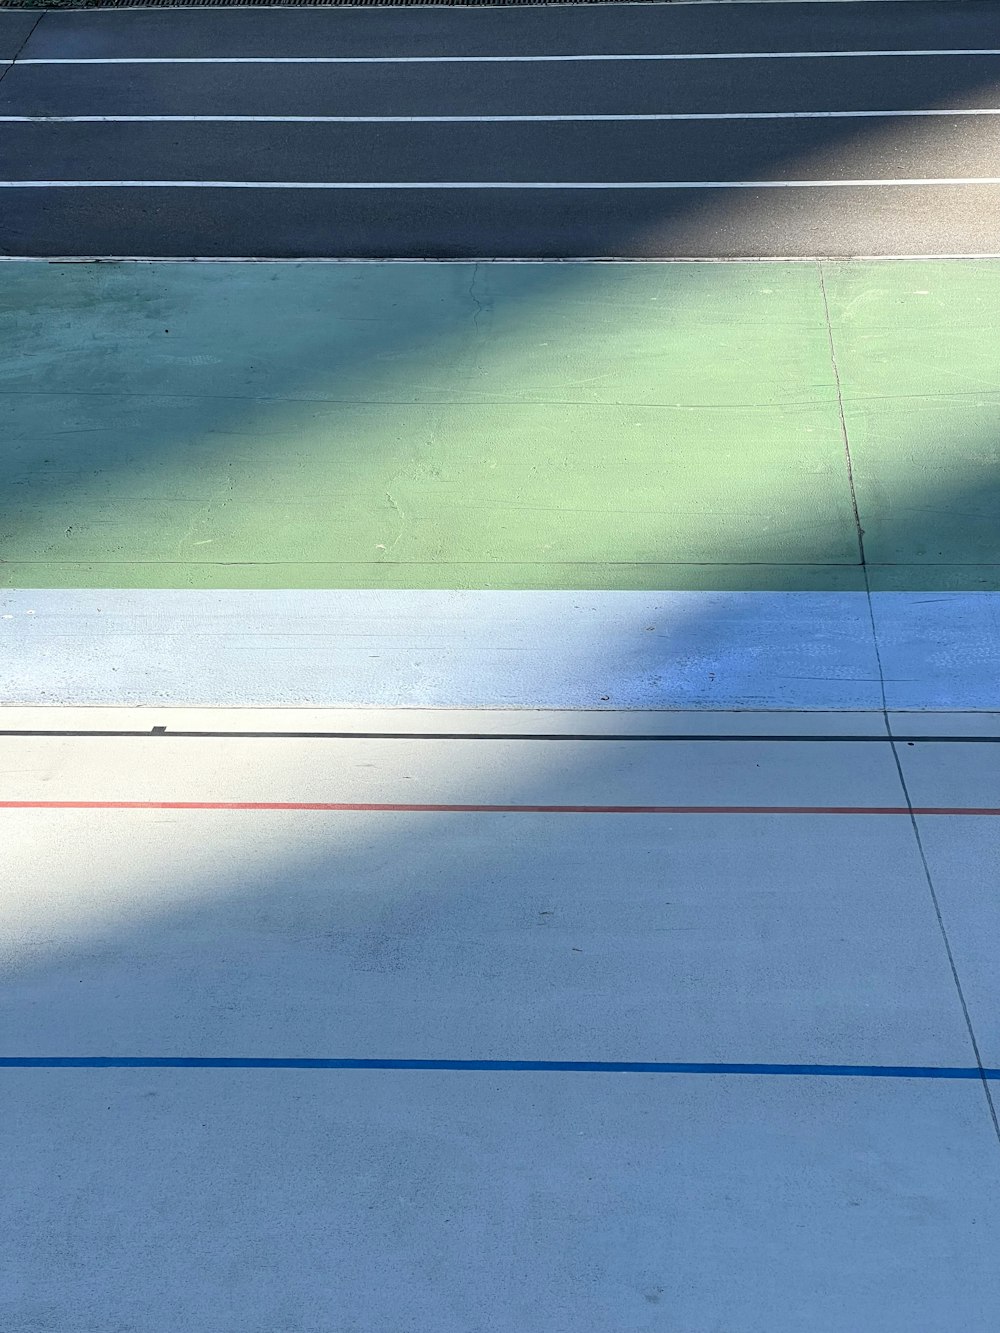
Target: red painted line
407 808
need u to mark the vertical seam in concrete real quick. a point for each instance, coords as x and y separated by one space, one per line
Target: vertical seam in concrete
477 304
944 933
851 485
843 422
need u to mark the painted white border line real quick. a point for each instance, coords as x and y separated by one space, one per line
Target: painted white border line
543 649
495 185
492 120
492 60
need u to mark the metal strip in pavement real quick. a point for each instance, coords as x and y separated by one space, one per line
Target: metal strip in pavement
494 185
493 120
492 60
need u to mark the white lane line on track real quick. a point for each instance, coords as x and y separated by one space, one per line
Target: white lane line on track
491 185
488 120
508 59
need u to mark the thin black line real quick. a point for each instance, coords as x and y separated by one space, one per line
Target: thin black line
493 564
701 738
984 1073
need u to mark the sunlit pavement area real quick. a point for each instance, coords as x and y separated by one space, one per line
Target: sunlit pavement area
697 1030
499 799
670 485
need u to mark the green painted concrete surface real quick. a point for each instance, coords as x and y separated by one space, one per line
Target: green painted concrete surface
500 426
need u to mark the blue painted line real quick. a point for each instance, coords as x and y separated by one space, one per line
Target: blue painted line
492 1066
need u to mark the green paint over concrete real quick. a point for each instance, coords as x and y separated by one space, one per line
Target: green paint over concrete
918 346
496 426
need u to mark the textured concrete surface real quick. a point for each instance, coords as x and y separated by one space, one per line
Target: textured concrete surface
462 649
636 476
499 426
596 650
483 1198
603 488
421 426
472 1204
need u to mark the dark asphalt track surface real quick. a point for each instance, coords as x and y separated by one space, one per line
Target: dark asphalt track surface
746 171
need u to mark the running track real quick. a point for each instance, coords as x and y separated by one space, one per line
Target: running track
633 131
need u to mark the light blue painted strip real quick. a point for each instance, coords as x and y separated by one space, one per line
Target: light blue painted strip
439 649
497 1066
605 650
